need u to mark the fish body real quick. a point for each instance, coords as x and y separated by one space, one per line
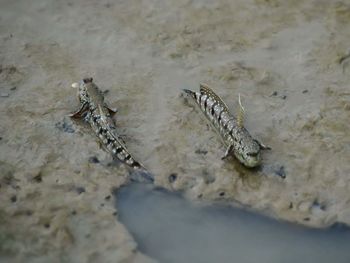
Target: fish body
95 111
237 139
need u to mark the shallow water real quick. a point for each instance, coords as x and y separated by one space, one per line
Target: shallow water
169 228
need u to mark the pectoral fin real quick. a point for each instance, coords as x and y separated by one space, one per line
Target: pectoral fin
228 152
263 146
111 111
79 114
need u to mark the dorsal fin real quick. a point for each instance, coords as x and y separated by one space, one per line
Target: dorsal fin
209 92
240 115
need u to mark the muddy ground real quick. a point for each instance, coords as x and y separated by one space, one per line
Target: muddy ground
287 59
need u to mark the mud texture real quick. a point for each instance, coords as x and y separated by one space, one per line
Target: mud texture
289 60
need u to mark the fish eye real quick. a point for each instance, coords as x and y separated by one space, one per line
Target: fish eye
87 80
253 154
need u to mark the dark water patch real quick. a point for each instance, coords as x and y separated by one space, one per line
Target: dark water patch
93 159
65 126
201 151
13 199
171 229
172 178
80 189
281 172
38 178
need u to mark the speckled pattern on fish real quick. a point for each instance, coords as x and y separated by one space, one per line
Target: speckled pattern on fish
237 139
95 111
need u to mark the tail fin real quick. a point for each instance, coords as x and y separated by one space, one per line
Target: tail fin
141 175
190 92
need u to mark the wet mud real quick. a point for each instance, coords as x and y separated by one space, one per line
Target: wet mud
289 60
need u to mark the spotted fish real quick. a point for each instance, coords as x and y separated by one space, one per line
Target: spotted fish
96 112
237 139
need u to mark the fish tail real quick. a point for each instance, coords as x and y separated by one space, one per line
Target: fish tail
141 175
191 93
121 153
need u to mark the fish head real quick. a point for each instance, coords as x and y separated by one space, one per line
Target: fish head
83 88
87 91
250 154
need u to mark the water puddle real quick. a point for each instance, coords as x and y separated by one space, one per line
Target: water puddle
169 228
